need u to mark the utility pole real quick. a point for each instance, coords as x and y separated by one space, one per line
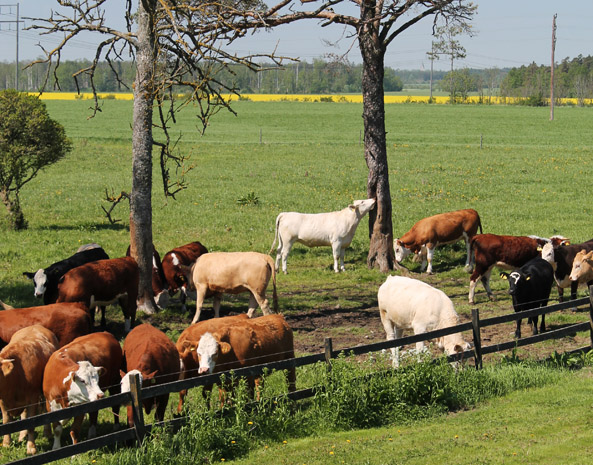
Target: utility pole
17 22
552 69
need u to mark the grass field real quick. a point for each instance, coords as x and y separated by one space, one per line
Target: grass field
523 173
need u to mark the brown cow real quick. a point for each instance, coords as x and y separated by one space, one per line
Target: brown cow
22 363
79 372
188 342
246 343
66 320
159 282
103 283
507 252
582 267
149 353
445 228
185 255
216 273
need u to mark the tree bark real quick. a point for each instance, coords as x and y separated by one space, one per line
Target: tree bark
381 253
15 212
140 198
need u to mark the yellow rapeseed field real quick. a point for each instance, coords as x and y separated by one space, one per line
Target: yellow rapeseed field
351 98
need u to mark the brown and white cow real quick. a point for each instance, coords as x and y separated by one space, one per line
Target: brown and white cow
188 342
149 353
507 252
562 257
22 363
102 283
444 228
66 320
245 343
80 372
184 255
159 282
216 273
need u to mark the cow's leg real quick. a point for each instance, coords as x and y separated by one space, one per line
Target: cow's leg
103 320
161 407
284 251
75 430
429 256
92 424
29 412
390 332
200 294
574 285
182 395
472 291
542 327
216 304
342 253
57 435
518 329
486 283
5 419
256 300
560 294
336 252
468 260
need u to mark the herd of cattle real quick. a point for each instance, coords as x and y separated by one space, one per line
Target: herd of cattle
50 352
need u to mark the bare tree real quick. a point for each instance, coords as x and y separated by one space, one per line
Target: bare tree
176 44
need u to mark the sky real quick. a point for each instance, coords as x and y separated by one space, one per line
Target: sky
508 33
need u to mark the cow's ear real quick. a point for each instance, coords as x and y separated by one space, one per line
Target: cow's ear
352 207
101 371
7 366
26 274
225 347
61 280
504 275
539 248
151 375
588 256
122 373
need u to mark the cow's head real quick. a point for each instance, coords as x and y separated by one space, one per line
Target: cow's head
40 280
126 378
362 207
209 348
548 253
401 251
581 265
82 385
516 280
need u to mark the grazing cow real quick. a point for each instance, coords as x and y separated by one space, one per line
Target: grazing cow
245 343
66 320
103 283
188 342
80 372
22 363
159 283
530 287
507 252
185 255
406 303
46 280
445 228
562 257
216 273
335 229
582 267
149 353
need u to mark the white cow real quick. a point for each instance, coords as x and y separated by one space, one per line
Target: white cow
406 303
319 229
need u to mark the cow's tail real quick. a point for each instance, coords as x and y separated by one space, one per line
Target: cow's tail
480 224
274 293
276 238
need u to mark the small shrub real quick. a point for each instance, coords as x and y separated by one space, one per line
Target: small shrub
249 199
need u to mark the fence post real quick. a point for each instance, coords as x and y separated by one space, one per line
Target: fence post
477 338
137 412
328 351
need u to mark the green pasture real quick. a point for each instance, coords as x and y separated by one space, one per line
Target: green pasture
523 173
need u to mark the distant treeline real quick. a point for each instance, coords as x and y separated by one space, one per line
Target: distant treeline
317 77
572 79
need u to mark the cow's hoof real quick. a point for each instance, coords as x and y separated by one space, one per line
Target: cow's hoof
471 302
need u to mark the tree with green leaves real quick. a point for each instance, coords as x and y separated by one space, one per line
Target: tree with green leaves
29 141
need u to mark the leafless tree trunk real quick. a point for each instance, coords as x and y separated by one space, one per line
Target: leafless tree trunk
140 200
381 253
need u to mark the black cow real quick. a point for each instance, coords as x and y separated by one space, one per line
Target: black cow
561 258
46 280
530 288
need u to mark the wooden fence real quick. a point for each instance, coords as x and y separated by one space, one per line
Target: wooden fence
137 394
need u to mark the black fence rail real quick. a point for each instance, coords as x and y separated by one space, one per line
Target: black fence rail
137 394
